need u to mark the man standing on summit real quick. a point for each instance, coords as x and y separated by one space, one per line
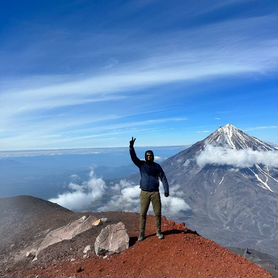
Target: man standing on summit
150 172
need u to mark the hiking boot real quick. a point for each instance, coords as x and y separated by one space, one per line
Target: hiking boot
159 235
141 237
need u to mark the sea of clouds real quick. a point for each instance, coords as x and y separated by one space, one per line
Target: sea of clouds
237 158
96 195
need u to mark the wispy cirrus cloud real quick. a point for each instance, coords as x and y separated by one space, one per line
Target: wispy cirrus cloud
261 127
109 87
88 131
225 52
130 67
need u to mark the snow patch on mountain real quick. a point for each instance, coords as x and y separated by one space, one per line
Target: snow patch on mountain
221 180
263 182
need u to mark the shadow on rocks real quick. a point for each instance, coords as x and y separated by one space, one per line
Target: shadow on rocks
174 231
132 240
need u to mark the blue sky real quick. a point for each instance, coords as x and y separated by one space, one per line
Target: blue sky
94 73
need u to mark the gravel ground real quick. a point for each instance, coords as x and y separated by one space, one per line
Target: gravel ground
182 253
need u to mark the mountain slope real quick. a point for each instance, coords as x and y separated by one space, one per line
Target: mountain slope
183 253
232 193
26 218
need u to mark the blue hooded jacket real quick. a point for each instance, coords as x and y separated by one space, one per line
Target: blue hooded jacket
150 174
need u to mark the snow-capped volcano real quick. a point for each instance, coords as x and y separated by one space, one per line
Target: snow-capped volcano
231 137
230 181
230 146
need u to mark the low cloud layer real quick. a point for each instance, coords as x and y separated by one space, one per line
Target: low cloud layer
236 158
95 194
82 196
126 197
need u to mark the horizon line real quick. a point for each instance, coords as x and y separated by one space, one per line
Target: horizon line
82 148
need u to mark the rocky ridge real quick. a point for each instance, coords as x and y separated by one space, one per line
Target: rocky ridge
183 253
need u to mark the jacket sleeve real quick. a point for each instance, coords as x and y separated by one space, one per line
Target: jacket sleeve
134 157
164 180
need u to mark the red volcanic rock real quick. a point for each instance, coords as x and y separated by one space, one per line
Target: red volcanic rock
182 253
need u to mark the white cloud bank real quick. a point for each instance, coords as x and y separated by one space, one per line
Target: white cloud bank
81 197
236 158
96 195
126 198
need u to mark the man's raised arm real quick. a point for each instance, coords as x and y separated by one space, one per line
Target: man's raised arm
132 152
